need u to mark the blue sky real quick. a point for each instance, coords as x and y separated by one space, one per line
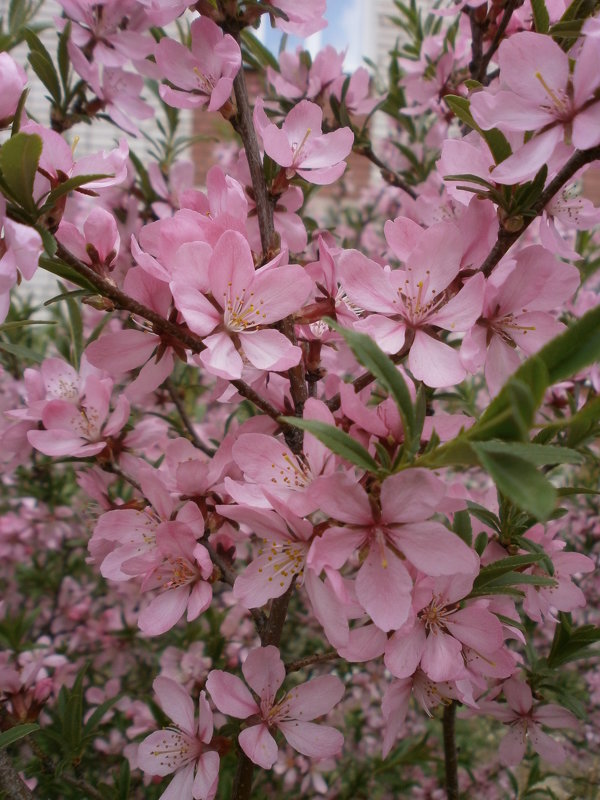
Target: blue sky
345 30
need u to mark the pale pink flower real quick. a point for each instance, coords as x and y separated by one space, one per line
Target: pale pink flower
246 302
184 748
433 639
264 672
400 530
301 147
203 75
526 721
416 297
539 90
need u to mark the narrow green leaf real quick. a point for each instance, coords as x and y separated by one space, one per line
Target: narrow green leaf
538 454
98 713
45 71
494 570
372 357
575 349
496 141
337 441
462 526
262 54
63 270
541 18
519 480
24 323
67 186
16 733
24 353
19 159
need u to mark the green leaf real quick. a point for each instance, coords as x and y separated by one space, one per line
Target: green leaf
45 71
19 159
16 733
262 54
462 527
63 270
95 718
541 18
24 323
496 141
537 454
519 480
571 643
493 571
75 327
336 440
573 350
370 355
67 186
24 353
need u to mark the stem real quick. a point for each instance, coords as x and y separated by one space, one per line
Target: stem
450 759
187 422
244 125
11 783
387 173
506 239
308 661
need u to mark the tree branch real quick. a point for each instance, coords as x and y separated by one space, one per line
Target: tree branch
187 422
506 239
308 661
388 174
450 758
11 782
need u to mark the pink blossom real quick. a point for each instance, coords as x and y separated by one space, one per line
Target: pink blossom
264 672
20 250
416 297
526 721
183 748
301 147
399 530
538 90
246 301
203 75
12 80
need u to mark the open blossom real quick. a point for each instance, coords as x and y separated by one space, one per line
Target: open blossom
301 19
416 297
264 672
20 251
399 530
246 301
301 147
538 90
183 748
525 721
203 75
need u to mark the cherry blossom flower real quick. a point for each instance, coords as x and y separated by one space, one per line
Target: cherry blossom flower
264 672
538 90
245 302
526 720
399 530
203 75
301 147
184 748
416 297
301 19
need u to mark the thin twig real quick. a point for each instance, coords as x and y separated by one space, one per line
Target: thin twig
187 422
11 783
387 173
484 60
308 661
506 239
450 758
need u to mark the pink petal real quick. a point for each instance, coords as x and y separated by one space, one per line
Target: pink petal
512 747
314 698
434 362
442 657
264 672
207 776
410 496
164 611
312 740
383 588
258 744
269 349
404 650
176 702
434 550
230 694
549 749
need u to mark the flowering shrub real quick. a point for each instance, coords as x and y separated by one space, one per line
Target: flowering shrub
320 461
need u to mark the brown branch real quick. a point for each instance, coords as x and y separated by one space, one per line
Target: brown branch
308 661
450 757
367 378
187 422
244 125
506 239
388 174
88 791
11 783
481 61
